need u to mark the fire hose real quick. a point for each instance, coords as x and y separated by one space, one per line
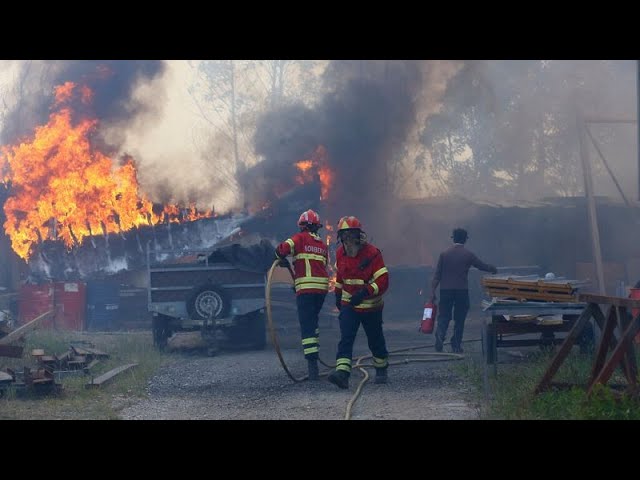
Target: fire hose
421 357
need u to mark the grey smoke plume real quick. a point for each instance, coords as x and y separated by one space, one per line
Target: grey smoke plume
516 124
362 122
112 82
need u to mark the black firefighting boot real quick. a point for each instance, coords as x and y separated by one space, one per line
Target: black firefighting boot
314 374
339 378
381 375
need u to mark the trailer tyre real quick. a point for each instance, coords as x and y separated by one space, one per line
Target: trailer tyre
208 301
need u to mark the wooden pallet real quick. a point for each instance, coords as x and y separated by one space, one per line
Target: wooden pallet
527 288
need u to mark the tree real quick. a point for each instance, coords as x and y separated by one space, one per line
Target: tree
508 128
230 95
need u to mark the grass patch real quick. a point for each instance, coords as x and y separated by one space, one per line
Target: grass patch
75 402
512 398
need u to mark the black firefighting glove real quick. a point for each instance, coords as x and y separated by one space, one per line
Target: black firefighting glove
356 298
284 263
339 300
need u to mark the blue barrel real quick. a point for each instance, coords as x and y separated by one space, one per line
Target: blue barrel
103 304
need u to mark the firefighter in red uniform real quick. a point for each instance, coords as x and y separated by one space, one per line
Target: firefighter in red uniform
361 280
309 254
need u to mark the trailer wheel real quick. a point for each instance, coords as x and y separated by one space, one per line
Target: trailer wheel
208 301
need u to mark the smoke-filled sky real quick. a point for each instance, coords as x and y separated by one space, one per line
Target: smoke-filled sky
367 114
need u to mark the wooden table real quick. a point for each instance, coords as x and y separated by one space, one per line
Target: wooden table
497 327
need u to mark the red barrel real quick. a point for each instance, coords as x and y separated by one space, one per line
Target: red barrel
33 301
71 300
635 294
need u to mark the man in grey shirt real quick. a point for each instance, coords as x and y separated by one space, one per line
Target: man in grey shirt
452 276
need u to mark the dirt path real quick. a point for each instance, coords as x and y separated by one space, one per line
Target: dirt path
253 385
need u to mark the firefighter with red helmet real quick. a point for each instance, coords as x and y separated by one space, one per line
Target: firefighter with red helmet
311 281
361 280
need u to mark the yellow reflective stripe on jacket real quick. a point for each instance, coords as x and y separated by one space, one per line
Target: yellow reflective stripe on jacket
300 280
366 304
382 271
310 256
353 281
337 285
374 285
312 286
291 244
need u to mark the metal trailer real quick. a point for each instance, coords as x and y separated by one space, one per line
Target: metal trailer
186 291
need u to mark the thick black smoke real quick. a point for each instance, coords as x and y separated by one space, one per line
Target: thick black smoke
112 82
362 121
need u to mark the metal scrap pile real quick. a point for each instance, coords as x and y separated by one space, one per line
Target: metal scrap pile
79 359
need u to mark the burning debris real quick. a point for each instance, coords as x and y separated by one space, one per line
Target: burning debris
62 187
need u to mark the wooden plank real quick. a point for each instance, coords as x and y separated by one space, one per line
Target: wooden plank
530 285
561 284
102 379
617 301
24 329
532 296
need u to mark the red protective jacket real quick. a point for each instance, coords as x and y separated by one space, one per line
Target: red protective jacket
309 262
365 270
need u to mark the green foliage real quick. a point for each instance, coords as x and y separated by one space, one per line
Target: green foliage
513 398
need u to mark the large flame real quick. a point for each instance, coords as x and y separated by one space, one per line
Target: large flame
316 167
63 188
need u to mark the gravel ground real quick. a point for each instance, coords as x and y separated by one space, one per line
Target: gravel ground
253 385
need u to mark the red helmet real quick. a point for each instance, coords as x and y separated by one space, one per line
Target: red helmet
348 223
309 218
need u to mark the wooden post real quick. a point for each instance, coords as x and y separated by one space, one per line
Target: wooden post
591 204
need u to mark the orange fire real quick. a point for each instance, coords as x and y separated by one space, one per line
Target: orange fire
63 188
318 166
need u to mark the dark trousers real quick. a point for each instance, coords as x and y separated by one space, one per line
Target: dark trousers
456 301
309 306
349 324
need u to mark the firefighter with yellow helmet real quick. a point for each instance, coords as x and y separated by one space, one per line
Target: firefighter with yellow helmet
361 280
311 281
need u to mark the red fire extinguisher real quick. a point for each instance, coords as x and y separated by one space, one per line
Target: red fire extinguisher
428 317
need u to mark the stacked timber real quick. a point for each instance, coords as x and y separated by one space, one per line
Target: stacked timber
532 288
